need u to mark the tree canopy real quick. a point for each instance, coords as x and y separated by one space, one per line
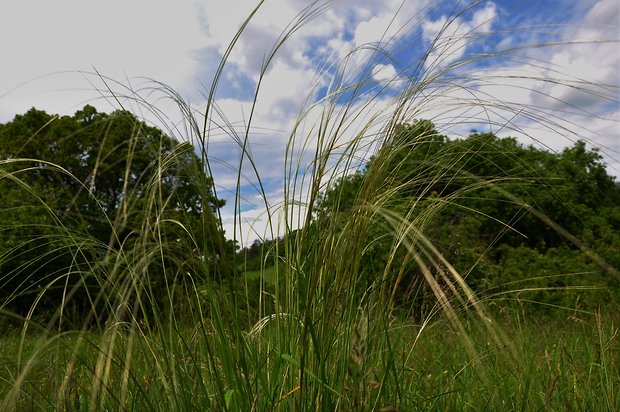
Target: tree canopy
500 212
82 191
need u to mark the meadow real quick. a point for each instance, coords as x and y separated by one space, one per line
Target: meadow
559 363
355 300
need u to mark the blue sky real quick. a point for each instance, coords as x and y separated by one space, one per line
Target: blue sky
48 59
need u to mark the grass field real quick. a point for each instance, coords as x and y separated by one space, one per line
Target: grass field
268 275
309 333
557 363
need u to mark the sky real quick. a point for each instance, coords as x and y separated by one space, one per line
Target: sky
547 72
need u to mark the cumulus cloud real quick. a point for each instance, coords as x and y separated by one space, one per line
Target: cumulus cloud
119 39
450 36
181 44
384 72
582 87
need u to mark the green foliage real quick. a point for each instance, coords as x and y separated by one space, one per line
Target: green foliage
498 211
317 329
82 194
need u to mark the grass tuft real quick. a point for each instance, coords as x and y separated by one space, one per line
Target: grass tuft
305 328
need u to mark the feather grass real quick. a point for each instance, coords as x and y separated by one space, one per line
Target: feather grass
309 338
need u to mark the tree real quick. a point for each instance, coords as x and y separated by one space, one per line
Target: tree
487 203
85 191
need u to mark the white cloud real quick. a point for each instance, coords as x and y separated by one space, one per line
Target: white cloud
550 96
384 72
450 37
604 15
180 43
120 39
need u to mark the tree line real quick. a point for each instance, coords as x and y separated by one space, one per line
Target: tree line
87 199
521 224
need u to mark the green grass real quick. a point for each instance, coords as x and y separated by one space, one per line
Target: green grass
268 275
302 334
561 363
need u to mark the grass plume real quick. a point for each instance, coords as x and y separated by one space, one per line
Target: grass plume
310 331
